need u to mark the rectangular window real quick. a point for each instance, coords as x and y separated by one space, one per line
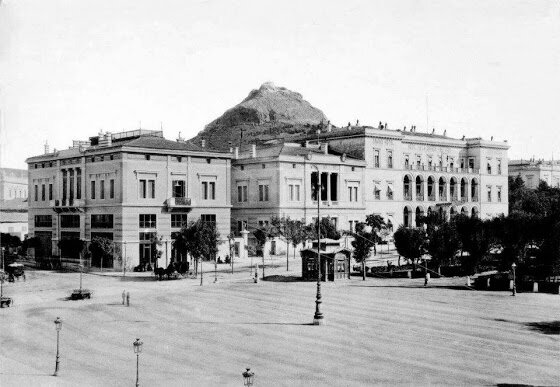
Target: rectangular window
102 189
43 221
147 220
143 189
489 193
406 161
263 192
376 158
112 189
36 193
50 192
43 192
152 188
353 194
208 190
78 183
418 160
178 220
499 193
241 193
389 192
297 192
178 188
389 159
93 189
471 162
376 192
241 225
291 190
102 221
294 192
488 167
208 218
70 221
499 166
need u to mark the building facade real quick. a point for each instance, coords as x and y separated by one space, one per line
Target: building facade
532 172
129 187
397 174
281 180
13 197
409 173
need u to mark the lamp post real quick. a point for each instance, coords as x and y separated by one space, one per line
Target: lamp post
318 317
248 377
58 326
513 289
137 345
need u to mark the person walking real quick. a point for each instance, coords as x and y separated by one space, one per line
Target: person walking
426 278
127 298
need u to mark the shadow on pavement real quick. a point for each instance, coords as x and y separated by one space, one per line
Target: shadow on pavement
243 323
451 287
283 278
546 327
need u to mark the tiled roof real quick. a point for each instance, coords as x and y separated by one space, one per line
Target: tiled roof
161 143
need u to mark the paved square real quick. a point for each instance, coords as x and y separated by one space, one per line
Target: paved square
381 332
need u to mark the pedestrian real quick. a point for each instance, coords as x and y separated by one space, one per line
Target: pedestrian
127 298
426 278
123 296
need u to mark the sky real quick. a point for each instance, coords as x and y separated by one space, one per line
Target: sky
69 69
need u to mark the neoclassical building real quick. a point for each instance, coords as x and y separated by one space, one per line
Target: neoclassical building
533 171
127 187
282 180
409 173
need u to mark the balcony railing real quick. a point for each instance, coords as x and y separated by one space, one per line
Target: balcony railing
419 196
67 203
432 198
178 202
407 196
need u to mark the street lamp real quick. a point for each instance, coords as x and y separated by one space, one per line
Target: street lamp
367 229
248 377
58 326
318 317
513 289
137 349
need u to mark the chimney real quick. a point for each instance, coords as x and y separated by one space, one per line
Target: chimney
385 125
445 132
104 139
329 126
236 152
179 138
357 122
46 147
349 126
254 150
203 143
108 138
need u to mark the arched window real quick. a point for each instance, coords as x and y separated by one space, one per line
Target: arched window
406 188
419 215
464 190
453 188
419 188
407 221
474 190
431 189
442 187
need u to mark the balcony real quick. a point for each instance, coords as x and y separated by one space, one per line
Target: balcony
407 196
178 203
68 205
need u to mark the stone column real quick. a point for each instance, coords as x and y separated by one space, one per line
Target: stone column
425 188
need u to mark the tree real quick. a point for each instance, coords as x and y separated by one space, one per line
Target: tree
377 224
262 235
200 240
548 257
102 248
443 243
362 243
409 242
475 237
327 227
296 234
289 230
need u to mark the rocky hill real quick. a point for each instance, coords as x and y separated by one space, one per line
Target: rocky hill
268 112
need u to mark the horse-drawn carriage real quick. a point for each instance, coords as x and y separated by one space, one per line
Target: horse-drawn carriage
4 301
174 270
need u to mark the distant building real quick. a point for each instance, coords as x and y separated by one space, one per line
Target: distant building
13 184
532 172
128 187
13 202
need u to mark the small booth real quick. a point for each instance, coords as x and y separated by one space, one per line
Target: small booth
335 261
